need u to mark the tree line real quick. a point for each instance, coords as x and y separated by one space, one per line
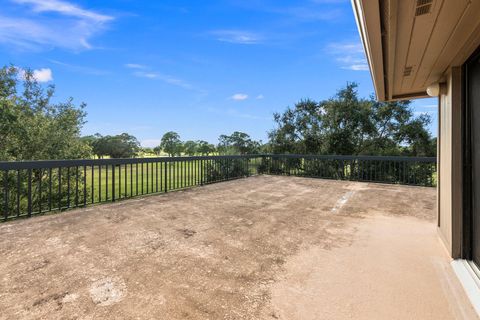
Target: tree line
127 146
33 127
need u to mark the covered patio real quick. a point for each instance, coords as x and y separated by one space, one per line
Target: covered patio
264 247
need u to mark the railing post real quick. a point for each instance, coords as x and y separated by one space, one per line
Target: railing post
165 174
342 168
113 182
5 194
201 172
29 191
85 186
59 172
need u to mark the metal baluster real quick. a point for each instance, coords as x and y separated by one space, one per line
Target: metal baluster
165 174
113 182
68 187
85 185
40 173
76 186
99 183
5 195
106 182
60 196
29 192
93 183
119 181
19 191
49 189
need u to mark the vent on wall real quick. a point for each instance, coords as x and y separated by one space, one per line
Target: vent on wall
423 7
407 71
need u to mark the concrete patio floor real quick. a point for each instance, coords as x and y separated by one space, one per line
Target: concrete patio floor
259 248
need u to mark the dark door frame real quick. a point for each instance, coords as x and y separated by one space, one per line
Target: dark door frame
467 169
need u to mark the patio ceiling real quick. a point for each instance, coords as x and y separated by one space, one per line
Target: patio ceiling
410 44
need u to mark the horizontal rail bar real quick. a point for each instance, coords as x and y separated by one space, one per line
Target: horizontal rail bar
45 164
38 164
353 157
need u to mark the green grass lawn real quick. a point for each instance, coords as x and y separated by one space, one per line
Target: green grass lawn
132 180
137 179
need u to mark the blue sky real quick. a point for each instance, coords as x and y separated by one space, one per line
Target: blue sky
201 68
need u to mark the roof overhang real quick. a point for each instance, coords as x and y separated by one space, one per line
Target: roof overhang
411 44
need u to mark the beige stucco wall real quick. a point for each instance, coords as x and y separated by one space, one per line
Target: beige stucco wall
450 163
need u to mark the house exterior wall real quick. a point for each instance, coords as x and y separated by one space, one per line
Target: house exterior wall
450 163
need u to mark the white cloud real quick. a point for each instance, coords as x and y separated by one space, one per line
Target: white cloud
237 36
165 78
357 67
64 8
145 74
135 66
43 75
40 75
346 47
239 96
79 68
259 97
349 55
176 82
51 23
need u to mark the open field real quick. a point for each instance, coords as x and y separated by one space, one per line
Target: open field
144 178
265 247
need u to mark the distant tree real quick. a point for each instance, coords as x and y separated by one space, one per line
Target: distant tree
171 143
119 146
124 146
93 141
147 150
89 140
32 127
349 125
205 148
157 150
190 147
237 143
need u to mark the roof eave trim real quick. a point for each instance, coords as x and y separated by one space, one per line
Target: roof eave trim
370 34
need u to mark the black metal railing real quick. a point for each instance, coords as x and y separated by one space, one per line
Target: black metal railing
419 171
36 187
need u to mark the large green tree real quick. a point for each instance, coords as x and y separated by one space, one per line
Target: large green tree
171 143
205 148
237 143
157 150
349 125
119 146
190 147
32 126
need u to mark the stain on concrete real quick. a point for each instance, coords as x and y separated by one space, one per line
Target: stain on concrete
108 291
